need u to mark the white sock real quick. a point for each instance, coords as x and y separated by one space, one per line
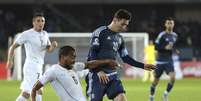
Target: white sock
38 97
21 98
166 92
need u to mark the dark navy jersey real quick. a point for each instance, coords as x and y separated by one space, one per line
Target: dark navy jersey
106 44
162 40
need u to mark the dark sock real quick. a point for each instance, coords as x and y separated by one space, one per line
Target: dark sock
152 89
169 87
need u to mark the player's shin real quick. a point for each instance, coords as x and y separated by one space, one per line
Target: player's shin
21 98
152 90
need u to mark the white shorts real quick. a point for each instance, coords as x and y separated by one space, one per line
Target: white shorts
31 71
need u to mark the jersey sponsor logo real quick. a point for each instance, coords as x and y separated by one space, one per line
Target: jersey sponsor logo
166 39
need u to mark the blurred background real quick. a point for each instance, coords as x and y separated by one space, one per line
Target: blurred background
67 16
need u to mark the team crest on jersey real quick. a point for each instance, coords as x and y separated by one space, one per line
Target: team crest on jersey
166 39
109 38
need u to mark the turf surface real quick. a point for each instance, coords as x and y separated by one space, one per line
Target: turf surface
184 90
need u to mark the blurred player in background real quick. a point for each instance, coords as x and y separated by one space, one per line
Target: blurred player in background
36 42
165 47
107 43
64 78
150 58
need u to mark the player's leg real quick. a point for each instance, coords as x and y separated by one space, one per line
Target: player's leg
24 96
157 73
151 76
171 74
115 90
146 76
95 89
120 97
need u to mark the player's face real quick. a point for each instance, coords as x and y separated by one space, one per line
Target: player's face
38 23
70 58
169 24
122 25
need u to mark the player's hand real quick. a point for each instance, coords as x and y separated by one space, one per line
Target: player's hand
149 67
113 63
9 64
103 78
54 44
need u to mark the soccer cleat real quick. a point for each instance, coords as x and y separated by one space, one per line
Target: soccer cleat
165 96
151 98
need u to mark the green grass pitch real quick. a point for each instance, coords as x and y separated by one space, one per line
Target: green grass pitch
136 90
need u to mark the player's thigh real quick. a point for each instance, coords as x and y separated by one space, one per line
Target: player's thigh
30 78
120 97
95 89
169 69
159 70
114 88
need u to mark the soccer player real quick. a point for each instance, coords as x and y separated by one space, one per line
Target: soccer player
150 58
64 79
107 43
165 46
36 43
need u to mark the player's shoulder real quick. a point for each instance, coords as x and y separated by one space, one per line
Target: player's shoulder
98 31
27 31
162 33
53 67
174 34
45 32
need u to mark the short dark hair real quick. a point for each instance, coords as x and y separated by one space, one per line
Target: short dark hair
168 18
38 14
123 14
65 50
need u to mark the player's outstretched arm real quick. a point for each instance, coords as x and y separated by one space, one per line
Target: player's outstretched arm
95 63
51 47
127 59
11 54
36 87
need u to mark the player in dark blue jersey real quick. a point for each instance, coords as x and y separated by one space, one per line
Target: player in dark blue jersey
107 43
165 45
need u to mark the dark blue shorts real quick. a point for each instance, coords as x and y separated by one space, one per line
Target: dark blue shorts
96 90
167 67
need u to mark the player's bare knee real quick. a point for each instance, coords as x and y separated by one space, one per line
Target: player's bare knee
155 82
120 97
172 80
25 95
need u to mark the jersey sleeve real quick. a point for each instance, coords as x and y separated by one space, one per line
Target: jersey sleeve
48 76
94 46
21 38
160 45
78 66
123 52
83 73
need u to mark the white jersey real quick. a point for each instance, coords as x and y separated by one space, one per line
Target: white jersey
65 82
35 44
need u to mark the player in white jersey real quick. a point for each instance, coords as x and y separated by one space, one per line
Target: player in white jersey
64 79
36 43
